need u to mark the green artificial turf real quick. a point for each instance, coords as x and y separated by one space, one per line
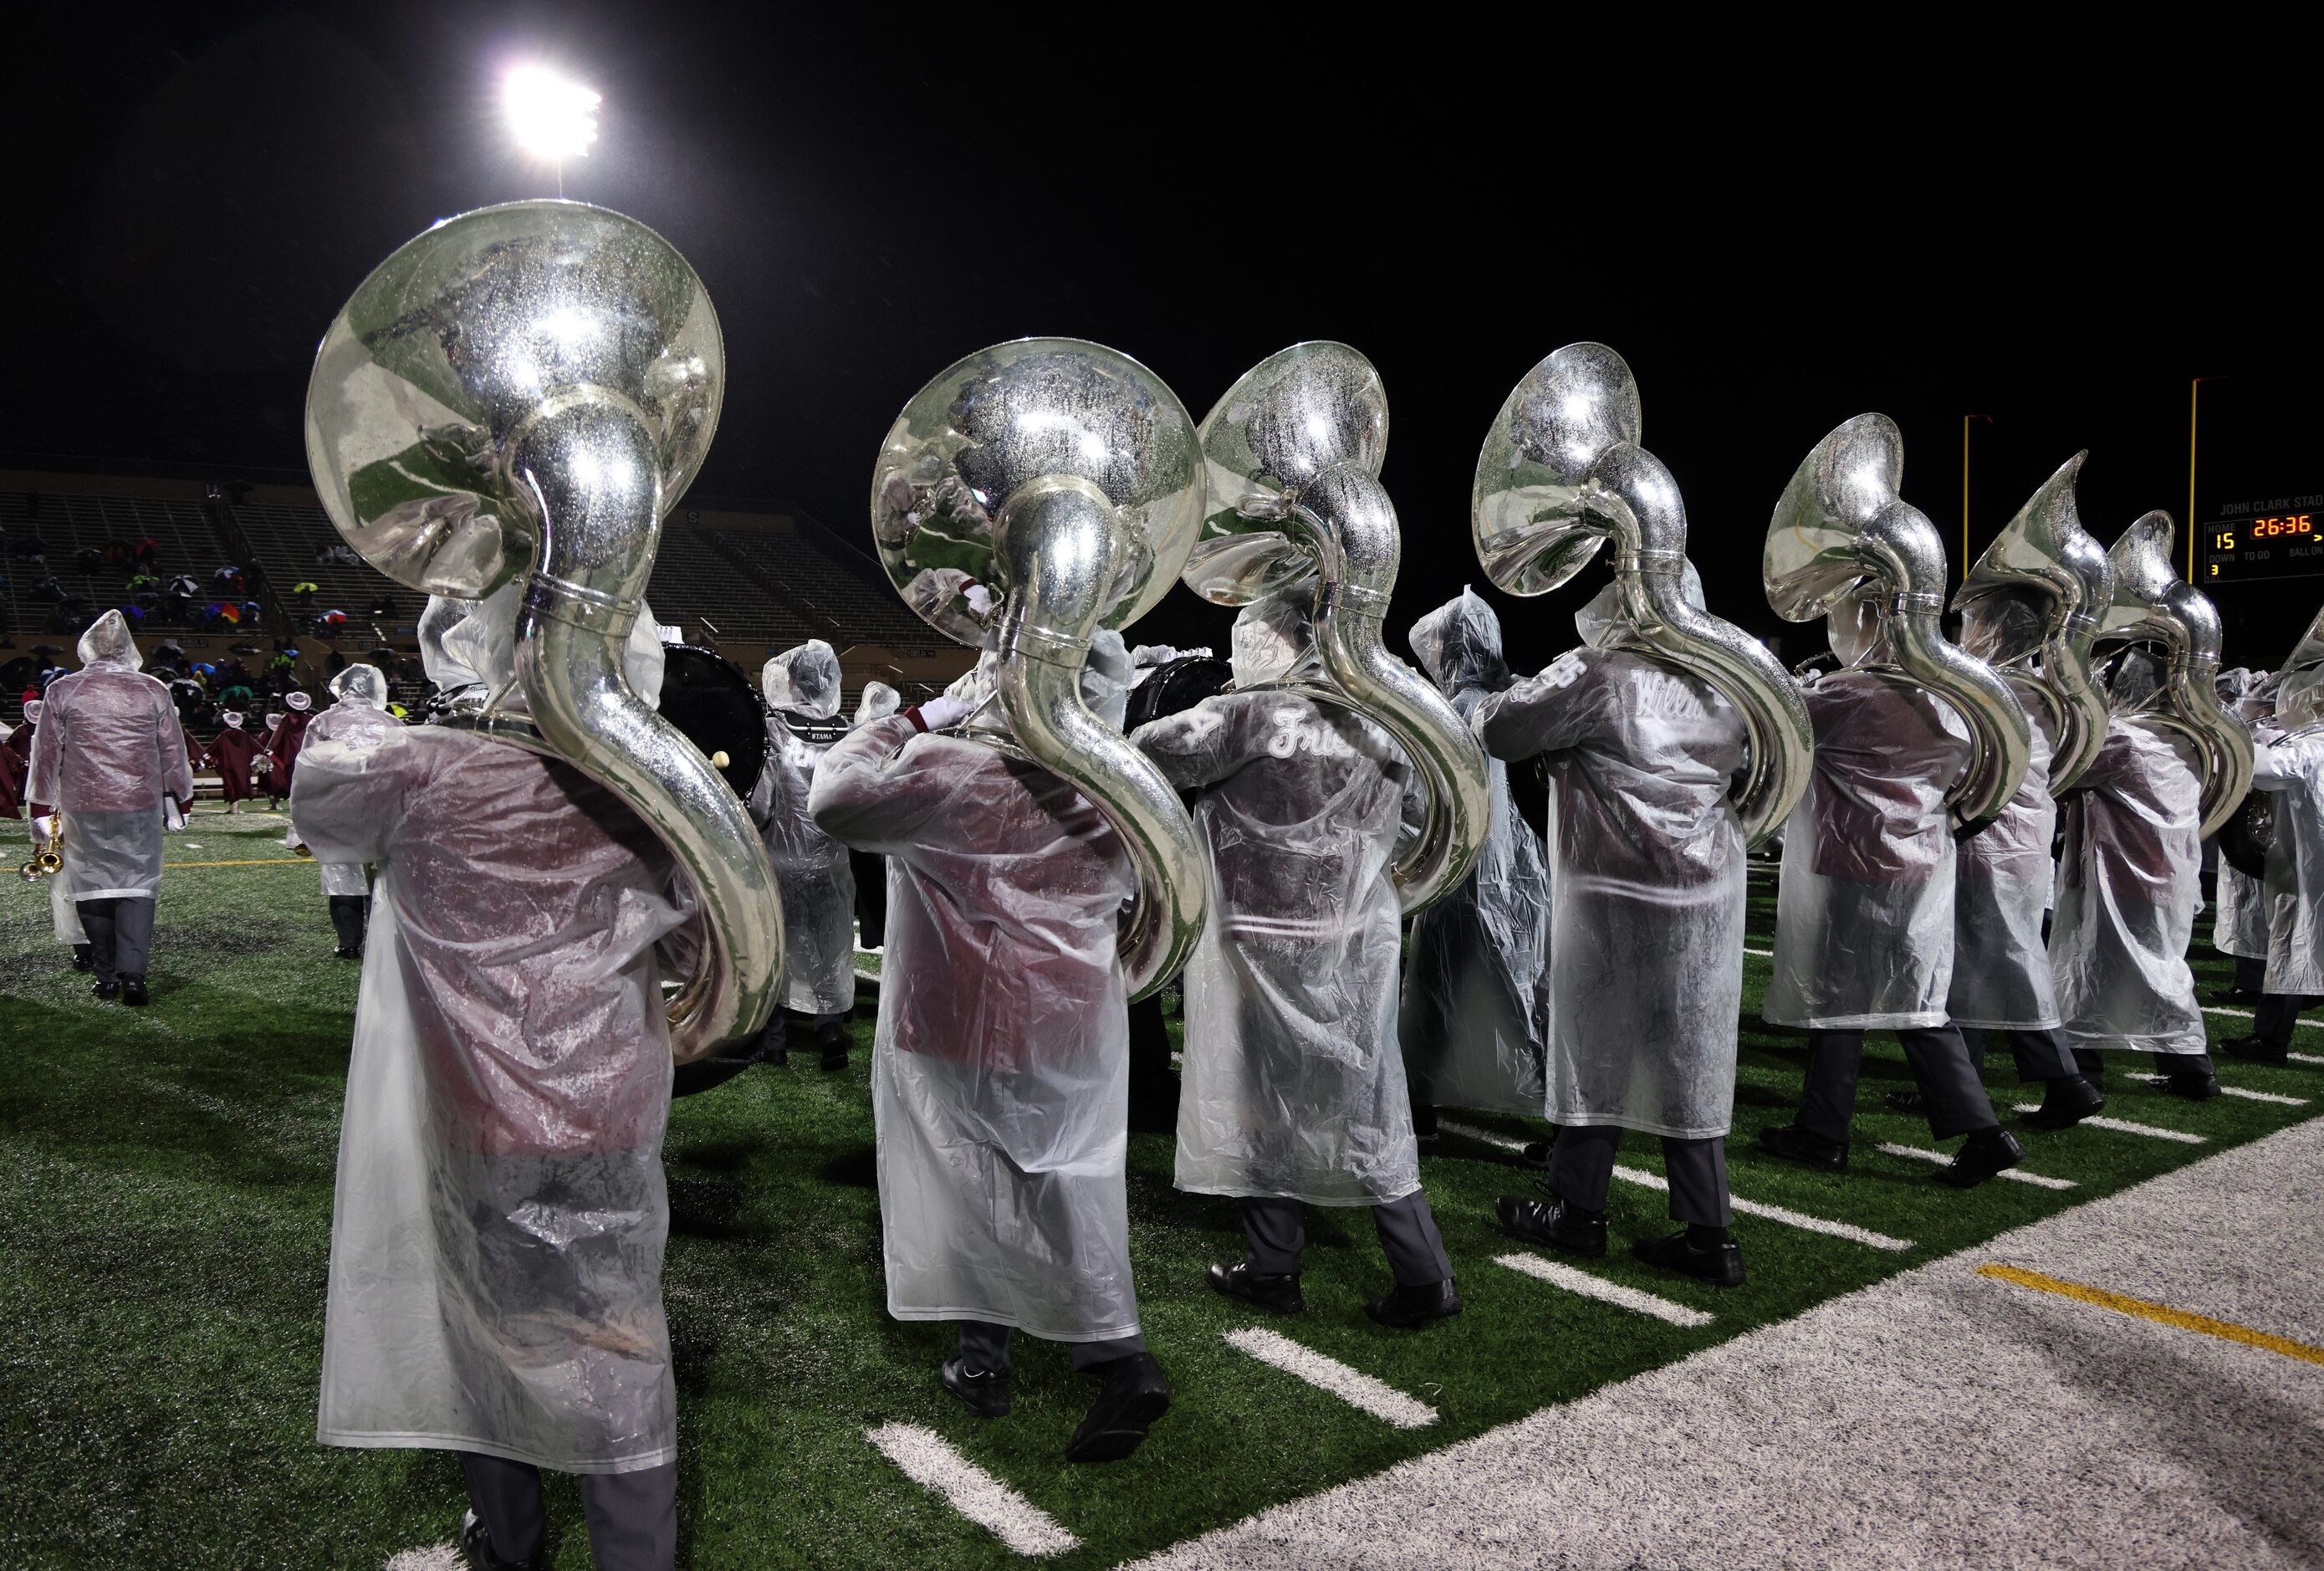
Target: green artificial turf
165 1199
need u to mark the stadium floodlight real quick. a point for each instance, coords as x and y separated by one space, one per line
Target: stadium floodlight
551 117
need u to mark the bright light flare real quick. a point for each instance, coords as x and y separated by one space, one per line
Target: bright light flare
551 117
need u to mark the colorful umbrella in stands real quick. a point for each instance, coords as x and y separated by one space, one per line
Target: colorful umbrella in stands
220 611
332 619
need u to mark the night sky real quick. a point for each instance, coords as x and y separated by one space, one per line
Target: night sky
1777 229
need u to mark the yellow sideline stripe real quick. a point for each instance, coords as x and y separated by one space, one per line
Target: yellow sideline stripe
2160 1313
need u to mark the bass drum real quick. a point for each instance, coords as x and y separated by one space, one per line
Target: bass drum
2249 831
1179 685
708 698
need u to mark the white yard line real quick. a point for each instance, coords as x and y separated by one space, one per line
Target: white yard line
434 1557
1763 954
2157 1081
1639 1176
929 1461
1800 1219
2246 1014
2305 1057
2125 1126
2015 1175
1604 1292
1350 1384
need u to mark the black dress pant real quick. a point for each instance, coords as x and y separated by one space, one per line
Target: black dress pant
1581 1169
632 1516
2040 1054
2250 975
350 915
985 1347
2093 1067
1955 1097
120 938
2273 1021
1407 1234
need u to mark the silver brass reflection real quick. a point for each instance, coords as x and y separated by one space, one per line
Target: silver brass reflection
2154 605
1561 473
1061 476
2045 559
1291 459
1841 527
525 390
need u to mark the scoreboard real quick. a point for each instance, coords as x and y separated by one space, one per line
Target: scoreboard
2276 536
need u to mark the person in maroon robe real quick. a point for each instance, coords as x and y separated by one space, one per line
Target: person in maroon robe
12 775
289 736
232 754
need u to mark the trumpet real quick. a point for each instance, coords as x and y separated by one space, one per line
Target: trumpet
50 861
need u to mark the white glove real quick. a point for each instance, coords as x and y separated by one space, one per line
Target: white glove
172 815
943 710
979 598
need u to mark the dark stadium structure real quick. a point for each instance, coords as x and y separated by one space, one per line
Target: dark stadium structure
749 582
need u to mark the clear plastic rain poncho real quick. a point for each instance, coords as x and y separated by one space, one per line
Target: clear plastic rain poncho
1473 1015
2239 927
2130 884
107 750
879 701
1293 1081
1646 863
1864 915
2002 873
818 888
359 720
496 1244
2293 768
1000 1075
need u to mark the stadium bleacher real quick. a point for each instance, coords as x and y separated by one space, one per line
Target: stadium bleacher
749 583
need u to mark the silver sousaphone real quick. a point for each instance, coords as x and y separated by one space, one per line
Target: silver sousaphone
1291 459
2154 605
1843 531
523 391
1561 474
2045 558
1061 477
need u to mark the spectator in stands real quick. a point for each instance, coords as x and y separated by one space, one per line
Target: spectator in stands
48 591
233 752
145 554
109 759
304 593
89 561
381 605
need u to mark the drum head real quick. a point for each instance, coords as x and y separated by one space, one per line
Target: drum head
706 696
1181 684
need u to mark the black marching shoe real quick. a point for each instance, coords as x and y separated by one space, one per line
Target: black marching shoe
1135 1395
134 993
2253 1050
1568 1229
476 1548
1906 1102
1708 1254
1984 1154
834 1044
1281 1294
344 953
1794 1144
2065 1103
82 959
2235 996
985 1391
104 989
1411 1308
2188 1085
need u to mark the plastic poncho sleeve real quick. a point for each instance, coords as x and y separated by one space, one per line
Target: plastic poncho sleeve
866 796
1541 713
2293 768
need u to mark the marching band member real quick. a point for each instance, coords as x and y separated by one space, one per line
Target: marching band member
290 734
2239 925
496 1244
1645 945
818 887
1000 1074
871 871
2001 963
1863 918
2132 885
108 757
359 720
1472 1025
235 753
1294 1087
265 762
2292 766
